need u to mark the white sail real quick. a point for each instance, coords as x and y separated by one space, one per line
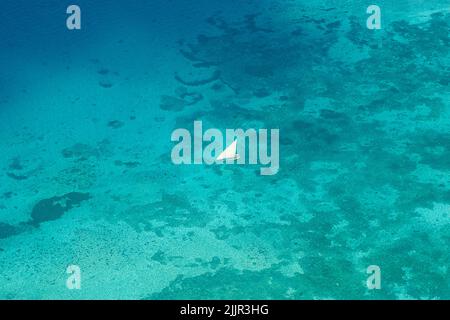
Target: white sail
229 153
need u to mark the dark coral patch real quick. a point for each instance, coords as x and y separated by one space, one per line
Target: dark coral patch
115 124
16 176
6 230
16 164
170 103
198 82
53 208
232 283
191 98
7 195
105 84
103 71
80 150
261 93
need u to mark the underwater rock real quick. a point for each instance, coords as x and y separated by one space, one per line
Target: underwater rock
115 124
160 257
331 114
170 103
79 150
261 93
190 56
259 71
105 84
103 71
259 57
198 82
191 98
172 209
215 262
297 32
82 176
250 22
217 86
286 141
15 164
221 112
7 195
333 25
239 283
53 208
221 24
7 230
16 177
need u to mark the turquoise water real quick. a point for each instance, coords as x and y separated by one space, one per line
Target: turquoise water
86 118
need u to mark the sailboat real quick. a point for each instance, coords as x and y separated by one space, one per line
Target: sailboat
229 153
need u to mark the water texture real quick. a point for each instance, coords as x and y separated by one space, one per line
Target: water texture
86 175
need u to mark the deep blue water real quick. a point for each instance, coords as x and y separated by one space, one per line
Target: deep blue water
87 179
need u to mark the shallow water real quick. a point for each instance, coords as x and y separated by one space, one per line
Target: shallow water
86 118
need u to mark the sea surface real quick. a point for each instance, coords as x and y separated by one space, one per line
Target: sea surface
86 177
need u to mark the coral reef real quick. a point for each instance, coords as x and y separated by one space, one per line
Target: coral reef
53 208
